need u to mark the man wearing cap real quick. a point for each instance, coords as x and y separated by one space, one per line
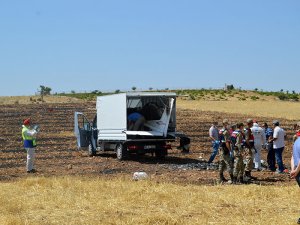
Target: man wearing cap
29 139
278 144
225 160
237 142
249 144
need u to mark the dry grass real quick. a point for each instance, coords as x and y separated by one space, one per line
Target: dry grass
36 99
74 200
270 108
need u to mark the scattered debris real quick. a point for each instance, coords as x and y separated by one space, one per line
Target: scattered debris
110 171
140 176
192 166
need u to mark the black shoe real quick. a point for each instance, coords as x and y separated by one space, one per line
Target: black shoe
247 177
240 180
31 171
298 221
234 180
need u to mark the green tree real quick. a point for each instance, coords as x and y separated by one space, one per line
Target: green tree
283 97
229 87
94 92
117 91
133 88
44 91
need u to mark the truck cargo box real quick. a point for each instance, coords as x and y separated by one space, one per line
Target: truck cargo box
130 122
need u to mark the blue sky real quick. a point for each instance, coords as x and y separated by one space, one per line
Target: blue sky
108 45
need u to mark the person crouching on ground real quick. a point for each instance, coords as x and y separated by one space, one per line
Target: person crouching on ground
29 139
225 160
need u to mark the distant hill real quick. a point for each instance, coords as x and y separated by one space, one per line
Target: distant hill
206 94
257 103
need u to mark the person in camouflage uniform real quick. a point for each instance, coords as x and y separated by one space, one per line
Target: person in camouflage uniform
249 150
237 138
225 160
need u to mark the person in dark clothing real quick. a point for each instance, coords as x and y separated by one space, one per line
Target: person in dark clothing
271 152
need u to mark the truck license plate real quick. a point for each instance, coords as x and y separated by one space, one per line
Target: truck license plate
149 147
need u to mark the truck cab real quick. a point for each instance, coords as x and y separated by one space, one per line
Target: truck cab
134 122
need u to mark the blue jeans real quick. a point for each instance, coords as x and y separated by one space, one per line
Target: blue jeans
278 156
215 146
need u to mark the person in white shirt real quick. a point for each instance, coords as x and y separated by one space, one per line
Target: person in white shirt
278 144
259 141
214 137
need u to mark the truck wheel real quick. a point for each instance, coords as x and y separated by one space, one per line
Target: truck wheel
121 152
91 150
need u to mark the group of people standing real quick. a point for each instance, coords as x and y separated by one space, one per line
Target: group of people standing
236 144
239 143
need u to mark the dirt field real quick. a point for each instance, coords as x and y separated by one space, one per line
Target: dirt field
57 154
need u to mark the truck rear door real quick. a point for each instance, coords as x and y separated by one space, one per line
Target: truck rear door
82 129
112 117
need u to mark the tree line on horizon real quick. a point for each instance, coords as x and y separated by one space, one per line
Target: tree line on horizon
193 93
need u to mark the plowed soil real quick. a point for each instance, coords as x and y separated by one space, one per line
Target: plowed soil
57 153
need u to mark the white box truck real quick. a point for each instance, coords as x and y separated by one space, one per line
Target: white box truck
133 122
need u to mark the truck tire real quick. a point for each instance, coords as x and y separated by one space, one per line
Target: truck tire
91 150
121 152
